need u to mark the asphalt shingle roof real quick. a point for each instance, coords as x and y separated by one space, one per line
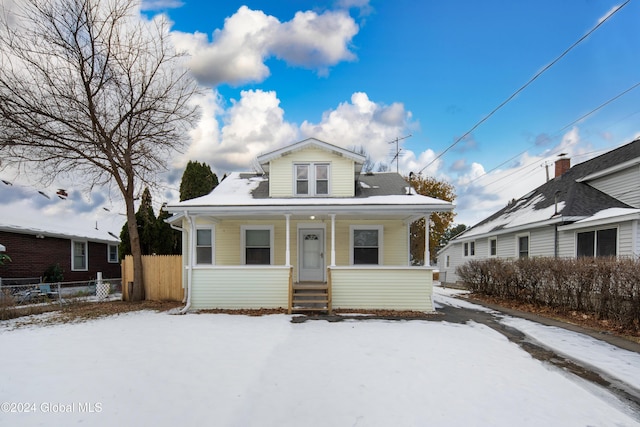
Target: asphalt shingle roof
576 199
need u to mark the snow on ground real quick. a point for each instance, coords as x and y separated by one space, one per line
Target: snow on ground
446 296
617 362
157 369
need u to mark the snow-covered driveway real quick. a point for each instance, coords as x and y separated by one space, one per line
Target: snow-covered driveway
158 369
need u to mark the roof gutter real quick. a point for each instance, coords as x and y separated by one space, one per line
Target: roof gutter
555 220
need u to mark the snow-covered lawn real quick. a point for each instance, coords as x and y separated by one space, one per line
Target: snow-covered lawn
157 369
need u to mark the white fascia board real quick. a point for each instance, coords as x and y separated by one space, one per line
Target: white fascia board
611 170
414 209
586 223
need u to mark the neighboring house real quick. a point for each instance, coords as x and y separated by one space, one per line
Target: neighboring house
311 232
80 254
591 209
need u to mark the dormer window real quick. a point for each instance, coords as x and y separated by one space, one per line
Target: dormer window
312 179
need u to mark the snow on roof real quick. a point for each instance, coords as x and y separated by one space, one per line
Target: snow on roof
61 230
523 213
240 189
612 213
605 216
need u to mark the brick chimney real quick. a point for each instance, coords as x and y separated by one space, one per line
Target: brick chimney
563 164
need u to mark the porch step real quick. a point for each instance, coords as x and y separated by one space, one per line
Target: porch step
297 302
308 297
310 287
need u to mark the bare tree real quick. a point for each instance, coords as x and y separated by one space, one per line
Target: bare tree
88 88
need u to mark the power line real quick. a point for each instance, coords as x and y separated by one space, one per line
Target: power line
531 80
565 127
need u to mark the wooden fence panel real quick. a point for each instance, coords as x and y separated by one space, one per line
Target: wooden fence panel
162 277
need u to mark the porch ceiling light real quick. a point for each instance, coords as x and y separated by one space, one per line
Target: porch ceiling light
312 217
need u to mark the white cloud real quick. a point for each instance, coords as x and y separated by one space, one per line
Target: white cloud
315 41
361 122
238 51
252 125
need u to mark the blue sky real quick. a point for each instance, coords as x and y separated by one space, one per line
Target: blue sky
361 73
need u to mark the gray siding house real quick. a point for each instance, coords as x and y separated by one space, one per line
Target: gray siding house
590 209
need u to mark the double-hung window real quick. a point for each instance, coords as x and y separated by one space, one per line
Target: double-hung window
523 246
366 244
112 254
469 248
311 179
204 246
79 256
257 245
493 246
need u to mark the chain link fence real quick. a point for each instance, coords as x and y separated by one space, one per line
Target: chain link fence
30 295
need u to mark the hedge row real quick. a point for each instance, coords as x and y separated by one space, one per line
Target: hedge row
606 287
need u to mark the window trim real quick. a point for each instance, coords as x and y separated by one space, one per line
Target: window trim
109 260
311 179
518 236
380 229
595 239
86 255
243 242
492 239
213 246
469 249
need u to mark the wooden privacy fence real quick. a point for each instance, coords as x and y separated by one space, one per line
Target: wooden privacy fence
162 277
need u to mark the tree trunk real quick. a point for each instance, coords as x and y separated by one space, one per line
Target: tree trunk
136 253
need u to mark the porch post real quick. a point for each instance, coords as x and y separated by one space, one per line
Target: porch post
287 252
333 239
427 255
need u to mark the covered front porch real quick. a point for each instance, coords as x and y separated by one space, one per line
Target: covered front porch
311 261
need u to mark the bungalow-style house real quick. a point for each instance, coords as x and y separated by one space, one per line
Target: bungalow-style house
591 209
81 254
311 231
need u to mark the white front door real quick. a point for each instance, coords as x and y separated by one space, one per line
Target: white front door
311 255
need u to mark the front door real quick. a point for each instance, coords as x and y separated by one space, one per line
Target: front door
311 255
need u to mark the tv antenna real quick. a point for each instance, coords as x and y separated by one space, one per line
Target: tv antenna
396 156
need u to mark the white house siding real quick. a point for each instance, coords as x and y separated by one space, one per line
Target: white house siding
541 242
448 274
281 175
567 239
506 245
622 185
240 287
379 288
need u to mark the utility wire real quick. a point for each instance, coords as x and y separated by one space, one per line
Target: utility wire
531 80
565 127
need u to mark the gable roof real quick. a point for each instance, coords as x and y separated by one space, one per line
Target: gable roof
265 158
564 199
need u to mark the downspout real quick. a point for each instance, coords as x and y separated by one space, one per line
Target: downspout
189 263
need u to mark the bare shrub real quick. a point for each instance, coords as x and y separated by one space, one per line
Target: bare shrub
608 288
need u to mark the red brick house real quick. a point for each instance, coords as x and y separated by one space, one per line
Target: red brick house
80 254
